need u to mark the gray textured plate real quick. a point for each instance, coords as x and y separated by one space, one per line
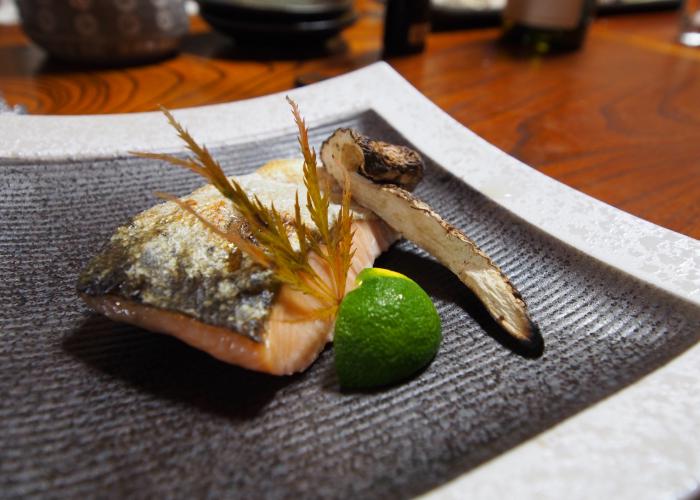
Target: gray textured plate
92 407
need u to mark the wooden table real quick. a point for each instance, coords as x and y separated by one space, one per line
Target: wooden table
619 120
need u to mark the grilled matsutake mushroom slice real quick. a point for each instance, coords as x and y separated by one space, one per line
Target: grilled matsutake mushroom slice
379 174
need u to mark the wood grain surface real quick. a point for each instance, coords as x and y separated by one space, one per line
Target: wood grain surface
619 120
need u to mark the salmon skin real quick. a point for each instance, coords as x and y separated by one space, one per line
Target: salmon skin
167 272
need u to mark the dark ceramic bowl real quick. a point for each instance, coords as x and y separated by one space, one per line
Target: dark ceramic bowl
105 31
287 7
273 22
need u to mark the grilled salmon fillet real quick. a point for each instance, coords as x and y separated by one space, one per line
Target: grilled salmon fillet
167 272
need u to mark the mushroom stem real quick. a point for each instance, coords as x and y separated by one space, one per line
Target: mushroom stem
343 155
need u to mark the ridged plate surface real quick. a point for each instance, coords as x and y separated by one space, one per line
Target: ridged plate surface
91 407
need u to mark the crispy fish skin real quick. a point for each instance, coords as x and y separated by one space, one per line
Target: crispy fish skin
292 337
165 271
166 258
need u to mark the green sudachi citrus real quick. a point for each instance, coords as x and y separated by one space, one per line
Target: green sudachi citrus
386 330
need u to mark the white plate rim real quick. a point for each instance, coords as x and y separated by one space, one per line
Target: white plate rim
580 457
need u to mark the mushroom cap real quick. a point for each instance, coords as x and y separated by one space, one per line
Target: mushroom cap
381 162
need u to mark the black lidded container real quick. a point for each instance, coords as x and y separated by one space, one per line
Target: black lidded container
406 26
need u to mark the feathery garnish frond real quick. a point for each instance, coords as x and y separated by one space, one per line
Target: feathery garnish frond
336 238
330 246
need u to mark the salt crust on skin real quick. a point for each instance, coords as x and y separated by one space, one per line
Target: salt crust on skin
291 338
291 341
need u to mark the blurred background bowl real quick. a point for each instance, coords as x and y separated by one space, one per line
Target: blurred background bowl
290 7
273 22
105 32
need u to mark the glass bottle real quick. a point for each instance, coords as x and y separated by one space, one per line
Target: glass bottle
543 26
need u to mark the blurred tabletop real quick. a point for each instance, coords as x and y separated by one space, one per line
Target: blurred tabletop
619 119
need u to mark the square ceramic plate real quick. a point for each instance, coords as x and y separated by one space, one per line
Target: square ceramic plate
94 407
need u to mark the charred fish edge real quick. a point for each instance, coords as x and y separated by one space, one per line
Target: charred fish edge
233 292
